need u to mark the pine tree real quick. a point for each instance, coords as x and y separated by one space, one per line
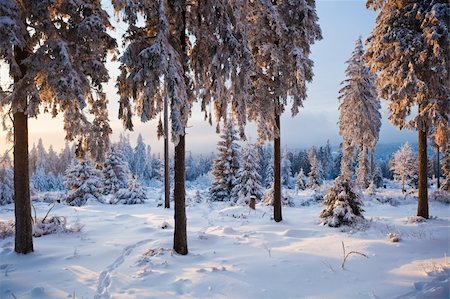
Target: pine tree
269 174
359 119
286 171
377 177
408 49
116 174
316 172
343 204
300 180
280 35
56 52
6 180
131 195
226 165
139 161
248 182
83 182
403 164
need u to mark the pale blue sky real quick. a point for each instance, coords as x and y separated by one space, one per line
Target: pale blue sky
341 22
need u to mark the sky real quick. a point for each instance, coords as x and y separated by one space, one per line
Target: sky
342 22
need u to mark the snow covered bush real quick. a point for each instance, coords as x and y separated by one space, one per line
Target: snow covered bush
441 196
377 178
132 195
343 204
83 182
248 179
286 199
6 229
53 225
116 173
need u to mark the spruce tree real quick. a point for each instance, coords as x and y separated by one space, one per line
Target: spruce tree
226 165
248 182
280 35
131 195
56 52
6 180
116 174
343 204
300 180
286 171
316 173
83 182
359 119
408 49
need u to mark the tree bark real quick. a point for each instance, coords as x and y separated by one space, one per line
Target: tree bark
166 157
179 192
22 202
180 236
277 172
422 206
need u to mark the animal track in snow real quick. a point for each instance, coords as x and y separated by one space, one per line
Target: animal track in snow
104 280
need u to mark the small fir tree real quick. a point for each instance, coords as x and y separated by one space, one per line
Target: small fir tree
83 182
248 179
268 182
226 165
300 180
116 174
343 204
6 181
286 170
377 178
316 172
132 195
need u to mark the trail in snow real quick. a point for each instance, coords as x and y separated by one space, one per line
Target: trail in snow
104 280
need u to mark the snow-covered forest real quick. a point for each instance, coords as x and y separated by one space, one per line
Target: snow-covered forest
254 216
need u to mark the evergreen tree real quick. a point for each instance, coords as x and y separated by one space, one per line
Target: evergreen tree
56 52
83 182
408 49
316 172
157 168
116 174
280 34
300 180
6 180
359 119
248 182
286 171
268 183
131 195
377 177
139 161
226 165
65 158
403 164
343 204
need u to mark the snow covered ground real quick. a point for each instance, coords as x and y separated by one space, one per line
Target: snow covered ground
234 252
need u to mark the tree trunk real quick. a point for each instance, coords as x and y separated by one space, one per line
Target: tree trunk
166 157
277 172
180 237
22 203
438 169
422 207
